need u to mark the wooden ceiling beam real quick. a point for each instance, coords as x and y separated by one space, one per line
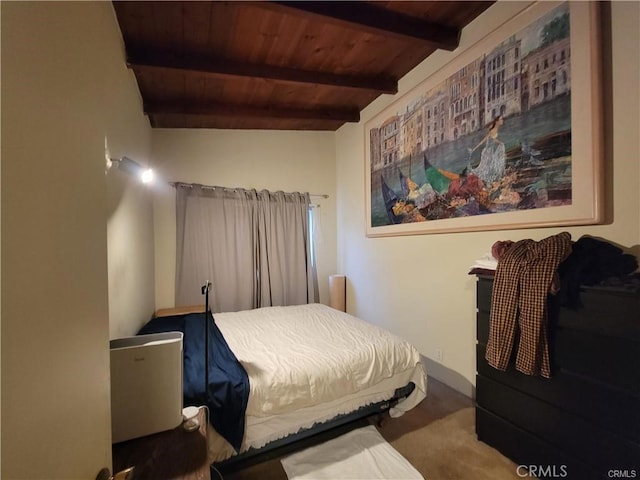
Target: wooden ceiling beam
217 67
246 111
370 18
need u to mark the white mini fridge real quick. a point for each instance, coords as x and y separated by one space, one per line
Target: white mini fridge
146 384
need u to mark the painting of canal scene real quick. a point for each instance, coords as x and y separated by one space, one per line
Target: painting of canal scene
491 137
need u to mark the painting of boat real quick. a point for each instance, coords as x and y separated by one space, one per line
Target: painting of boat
536 175
494 137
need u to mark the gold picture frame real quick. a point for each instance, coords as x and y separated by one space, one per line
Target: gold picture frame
506 135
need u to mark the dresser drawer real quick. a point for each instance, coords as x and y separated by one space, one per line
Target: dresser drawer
581 439
484 288
482 327
615 313
609 408
526 449
611 360
607 312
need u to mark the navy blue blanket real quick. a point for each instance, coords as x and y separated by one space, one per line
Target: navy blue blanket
228 383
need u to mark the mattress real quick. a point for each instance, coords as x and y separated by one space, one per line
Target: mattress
309 363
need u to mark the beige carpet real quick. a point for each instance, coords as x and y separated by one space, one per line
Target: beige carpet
448 449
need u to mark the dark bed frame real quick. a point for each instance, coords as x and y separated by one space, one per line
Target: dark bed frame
312 436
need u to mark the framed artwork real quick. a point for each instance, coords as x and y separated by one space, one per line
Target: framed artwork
506 135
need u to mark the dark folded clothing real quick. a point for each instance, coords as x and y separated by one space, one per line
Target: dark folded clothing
591 262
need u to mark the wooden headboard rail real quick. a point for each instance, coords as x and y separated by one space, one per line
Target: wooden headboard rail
167 312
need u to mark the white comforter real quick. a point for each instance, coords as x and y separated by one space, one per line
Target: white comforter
303 356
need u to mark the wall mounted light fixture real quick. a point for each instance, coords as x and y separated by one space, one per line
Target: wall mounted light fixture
144 174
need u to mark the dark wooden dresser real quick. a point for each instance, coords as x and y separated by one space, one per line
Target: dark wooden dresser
583 422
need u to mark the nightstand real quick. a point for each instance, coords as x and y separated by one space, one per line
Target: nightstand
172 455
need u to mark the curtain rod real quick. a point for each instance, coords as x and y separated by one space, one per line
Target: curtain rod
190 185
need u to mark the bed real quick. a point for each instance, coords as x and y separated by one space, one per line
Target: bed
308 366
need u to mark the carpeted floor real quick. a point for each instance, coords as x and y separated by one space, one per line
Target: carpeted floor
437 437
448 449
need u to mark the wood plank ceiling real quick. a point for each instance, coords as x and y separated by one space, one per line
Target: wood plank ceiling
281 65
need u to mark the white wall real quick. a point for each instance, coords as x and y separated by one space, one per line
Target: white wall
272 160
65 92
417 286
130 246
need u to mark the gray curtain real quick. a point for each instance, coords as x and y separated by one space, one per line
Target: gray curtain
253 246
